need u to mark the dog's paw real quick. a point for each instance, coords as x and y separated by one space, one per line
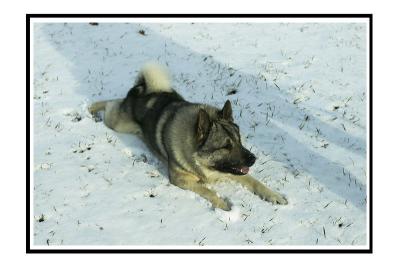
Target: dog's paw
95 109
97 118
223 204
280 200
94 115
275 198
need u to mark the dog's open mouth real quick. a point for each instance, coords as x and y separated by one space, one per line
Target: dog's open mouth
240 170
237 170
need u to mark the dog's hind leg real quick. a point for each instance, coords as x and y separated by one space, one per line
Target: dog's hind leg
188 181
97 107
115 118
119 120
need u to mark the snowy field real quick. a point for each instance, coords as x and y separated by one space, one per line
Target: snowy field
298 92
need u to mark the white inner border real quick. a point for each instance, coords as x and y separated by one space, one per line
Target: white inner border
197 20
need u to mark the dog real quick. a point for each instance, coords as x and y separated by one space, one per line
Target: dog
201 144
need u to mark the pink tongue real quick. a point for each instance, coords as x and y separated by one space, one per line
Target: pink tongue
244 170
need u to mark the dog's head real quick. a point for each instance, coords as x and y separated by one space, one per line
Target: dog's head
219 143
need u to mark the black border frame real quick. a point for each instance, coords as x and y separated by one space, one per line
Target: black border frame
28 127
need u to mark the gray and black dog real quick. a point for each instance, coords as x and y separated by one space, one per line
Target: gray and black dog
200 143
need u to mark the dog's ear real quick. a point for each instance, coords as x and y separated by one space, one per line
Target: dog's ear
203 126
226 112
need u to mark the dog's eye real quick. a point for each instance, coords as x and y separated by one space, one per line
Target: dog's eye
228 146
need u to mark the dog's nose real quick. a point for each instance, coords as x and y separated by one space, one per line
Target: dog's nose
251 159
248 157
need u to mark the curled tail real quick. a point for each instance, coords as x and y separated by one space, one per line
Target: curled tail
155 78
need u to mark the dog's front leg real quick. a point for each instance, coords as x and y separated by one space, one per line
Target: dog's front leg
188 181
260 189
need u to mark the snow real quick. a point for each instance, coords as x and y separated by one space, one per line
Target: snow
299 95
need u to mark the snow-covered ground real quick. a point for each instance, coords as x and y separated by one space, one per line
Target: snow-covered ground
299 95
